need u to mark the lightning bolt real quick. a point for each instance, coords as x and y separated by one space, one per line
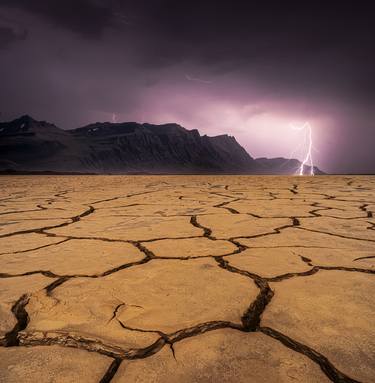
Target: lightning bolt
114 118
307 147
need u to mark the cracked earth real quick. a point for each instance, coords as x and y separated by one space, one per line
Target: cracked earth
187 279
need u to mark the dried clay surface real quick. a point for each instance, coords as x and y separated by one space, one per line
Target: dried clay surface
171 279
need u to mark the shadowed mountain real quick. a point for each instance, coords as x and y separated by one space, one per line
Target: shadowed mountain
27 145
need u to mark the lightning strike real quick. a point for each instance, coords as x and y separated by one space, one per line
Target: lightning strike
114 118
307 146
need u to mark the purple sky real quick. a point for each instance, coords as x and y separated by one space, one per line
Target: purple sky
241 68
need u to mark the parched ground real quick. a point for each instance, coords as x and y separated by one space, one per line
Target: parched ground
171 279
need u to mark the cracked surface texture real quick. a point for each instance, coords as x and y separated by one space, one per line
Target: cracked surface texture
343 330
51 364
187 279
223 356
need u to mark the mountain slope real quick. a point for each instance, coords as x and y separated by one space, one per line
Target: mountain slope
30 145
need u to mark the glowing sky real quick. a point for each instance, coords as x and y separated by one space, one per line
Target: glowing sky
241 68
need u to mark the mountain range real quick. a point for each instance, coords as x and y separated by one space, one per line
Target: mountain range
27 145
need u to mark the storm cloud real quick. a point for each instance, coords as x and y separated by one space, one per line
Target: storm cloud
244 68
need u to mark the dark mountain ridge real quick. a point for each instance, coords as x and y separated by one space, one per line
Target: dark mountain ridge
29 145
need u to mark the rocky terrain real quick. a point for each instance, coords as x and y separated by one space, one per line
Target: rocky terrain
187 279
27 145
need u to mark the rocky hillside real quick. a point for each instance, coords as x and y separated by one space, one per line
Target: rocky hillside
30 145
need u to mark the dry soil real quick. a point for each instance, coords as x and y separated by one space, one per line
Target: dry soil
168 279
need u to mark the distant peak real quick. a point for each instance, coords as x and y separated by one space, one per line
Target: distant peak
25 118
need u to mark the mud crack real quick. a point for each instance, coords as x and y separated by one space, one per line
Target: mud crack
326 366
19 311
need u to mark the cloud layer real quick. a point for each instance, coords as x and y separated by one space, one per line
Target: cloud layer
244 68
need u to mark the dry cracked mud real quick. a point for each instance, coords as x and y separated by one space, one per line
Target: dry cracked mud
170 279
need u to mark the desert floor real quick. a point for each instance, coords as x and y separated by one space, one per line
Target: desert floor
187 279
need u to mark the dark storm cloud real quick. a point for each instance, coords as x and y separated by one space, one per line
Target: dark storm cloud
85 17
86 59
252 30
10 32
9 36
296 44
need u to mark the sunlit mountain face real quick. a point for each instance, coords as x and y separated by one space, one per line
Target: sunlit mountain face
238 69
